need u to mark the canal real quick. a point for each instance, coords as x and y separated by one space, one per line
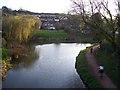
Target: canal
54 67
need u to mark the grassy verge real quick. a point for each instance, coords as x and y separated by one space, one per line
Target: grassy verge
49 33
59 36
83 72
49 36
111 64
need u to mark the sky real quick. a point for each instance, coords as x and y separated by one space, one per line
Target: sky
41 6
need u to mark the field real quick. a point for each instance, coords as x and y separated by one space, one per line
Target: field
49 33
58 36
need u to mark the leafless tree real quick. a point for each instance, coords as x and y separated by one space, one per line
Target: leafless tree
118 26
97 14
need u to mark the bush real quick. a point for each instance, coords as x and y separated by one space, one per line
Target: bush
108 47
67 29
4 52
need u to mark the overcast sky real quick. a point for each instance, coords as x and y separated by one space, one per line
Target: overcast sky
43 6
46 6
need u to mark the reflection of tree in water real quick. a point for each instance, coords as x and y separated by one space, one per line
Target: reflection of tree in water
57 45
28 61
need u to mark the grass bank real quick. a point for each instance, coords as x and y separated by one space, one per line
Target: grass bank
59 36
49 33
83 72
111 64
48 36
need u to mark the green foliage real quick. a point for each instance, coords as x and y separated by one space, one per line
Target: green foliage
5 66
107 46
18 27
60 36
111 64
5 61
49 33
82 70
4 52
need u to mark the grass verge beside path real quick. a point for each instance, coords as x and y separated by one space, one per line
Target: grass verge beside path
83 72
111 64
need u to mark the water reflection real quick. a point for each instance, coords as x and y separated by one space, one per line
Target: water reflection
28 61
54 68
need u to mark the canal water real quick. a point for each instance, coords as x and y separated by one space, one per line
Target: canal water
53 68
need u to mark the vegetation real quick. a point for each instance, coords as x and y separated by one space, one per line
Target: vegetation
58 26
48 36
88 79
111 64
5 66
72 24
4 61
106 31
100 19
4 52
18 27
60 36
49 33
16 30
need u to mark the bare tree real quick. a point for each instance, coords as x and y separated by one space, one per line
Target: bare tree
118 5
97 14
118 27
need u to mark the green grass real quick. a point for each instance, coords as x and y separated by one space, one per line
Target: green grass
4 52
83 72
59 36
49 33
111 64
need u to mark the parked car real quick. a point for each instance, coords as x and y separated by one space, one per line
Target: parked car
51 28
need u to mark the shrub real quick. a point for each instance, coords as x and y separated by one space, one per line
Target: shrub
4 52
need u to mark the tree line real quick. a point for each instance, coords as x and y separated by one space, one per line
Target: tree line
18 27
96 14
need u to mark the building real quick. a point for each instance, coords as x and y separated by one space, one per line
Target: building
49 19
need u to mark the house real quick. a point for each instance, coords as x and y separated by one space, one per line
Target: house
49 19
